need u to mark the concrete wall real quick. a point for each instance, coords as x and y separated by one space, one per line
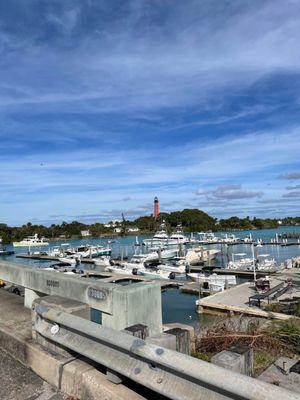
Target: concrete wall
121 306
138 304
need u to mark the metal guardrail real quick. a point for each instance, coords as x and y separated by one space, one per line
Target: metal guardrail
169 373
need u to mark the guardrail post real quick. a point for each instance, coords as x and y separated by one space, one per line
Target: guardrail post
182 339
185 335
236 358
139 330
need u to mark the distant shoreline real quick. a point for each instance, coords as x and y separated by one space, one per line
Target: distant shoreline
113 235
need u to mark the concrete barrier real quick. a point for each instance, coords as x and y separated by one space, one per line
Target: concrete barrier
74 377
121 305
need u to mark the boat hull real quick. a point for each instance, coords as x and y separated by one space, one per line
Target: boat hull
24 244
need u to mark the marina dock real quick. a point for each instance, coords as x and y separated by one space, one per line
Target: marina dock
236 299
50 258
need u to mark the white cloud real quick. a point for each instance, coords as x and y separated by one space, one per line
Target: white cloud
191 59
228 192
290 176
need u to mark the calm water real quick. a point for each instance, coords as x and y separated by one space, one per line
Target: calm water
178 307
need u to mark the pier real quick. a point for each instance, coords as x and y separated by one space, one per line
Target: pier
236 299
43 257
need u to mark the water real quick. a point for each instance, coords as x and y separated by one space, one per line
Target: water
179 307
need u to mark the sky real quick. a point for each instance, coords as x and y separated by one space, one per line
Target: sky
105 104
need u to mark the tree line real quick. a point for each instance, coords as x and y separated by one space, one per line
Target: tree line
191 220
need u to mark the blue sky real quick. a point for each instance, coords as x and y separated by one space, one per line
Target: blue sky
106 104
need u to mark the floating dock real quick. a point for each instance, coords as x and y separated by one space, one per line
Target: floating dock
50 258
236 299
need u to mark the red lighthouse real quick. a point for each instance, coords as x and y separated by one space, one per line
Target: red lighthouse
156 211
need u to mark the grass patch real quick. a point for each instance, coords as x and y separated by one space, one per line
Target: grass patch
280 338
288 334
261 361
203 356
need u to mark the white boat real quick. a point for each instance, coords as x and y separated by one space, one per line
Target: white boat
229 239
197 255
155 274
71 260
136 263
60 251
119 269
206 237
265 263
248 239
178 236
213 278
103 261
158 253
177 269
89 251
159 239
31 241
241 262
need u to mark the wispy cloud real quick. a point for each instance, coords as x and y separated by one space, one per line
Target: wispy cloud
295 187
292 195
228 192
290 176
106 105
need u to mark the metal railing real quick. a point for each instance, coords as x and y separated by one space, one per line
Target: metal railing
169 373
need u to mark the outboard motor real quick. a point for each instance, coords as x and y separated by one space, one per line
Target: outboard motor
172 275
187 267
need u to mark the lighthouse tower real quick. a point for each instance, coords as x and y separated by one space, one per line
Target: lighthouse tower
156 211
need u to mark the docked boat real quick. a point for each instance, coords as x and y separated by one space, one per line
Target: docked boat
64 267
136 263
160 238
213 278
229 239
176 268
88 251
102 261
60 251
178 236
206 238
198 255
265 263
241 262
71 260
119 269
156 274
158 254
31 241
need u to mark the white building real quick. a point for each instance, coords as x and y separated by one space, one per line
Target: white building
113 224
133 229
85 233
